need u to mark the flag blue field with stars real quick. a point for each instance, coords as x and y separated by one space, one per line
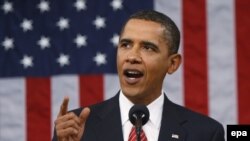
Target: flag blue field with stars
44 38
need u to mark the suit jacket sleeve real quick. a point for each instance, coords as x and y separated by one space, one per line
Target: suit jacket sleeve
219 134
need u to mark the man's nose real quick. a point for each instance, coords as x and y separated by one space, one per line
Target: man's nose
134 57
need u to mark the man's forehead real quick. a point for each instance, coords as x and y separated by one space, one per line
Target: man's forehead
139 28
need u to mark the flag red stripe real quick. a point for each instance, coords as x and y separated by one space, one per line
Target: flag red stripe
195 55
38 109
243 54
91 89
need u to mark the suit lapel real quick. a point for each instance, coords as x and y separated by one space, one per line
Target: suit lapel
109 127
171 124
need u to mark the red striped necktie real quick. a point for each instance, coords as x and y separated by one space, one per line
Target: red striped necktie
132 135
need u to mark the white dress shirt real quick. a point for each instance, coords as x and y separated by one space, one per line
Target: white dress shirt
152 127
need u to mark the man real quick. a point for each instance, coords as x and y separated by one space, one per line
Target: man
147 51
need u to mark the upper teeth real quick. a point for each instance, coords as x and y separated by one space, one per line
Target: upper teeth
133 72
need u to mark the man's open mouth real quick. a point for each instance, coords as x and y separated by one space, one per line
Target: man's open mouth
133 73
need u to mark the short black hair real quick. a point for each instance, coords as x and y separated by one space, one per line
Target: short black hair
171 34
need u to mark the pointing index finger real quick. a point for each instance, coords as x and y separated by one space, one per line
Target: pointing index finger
64 107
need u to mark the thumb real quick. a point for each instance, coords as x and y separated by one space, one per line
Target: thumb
84 115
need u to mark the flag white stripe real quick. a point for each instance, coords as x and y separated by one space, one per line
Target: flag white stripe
12 109
111 85
173 84
221 61
65 85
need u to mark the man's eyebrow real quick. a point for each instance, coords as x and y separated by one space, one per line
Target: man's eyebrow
150 44
125 40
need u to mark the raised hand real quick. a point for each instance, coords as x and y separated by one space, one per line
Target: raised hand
68 126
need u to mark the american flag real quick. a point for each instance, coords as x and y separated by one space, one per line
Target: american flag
53 48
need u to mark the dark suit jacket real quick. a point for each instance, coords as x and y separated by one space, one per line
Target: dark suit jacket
104 123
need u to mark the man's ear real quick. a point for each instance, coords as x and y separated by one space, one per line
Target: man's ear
174 62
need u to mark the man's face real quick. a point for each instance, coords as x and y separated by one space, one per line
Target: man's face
142 60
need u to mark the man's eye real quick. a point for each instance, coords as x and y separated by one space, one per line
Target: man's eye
148 48
125 45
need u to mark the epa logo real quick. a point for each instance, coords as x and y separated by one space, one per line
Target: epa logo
238 134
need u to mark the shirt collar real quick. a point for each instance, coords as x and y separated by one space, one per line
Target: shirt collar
125 106
155 109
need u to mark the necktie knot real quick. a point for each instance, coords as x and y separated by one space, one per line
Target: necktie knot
133 137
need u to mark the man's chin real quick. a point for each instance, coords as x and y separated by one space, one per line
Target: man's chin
132 93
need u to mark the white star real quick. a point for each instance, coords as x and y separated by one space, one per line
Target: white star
115 40
100 59
8 43
116 4
80 40
43 6
63 60
26 25
7 7
44 42
27 61
80 5
99 22
63 23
